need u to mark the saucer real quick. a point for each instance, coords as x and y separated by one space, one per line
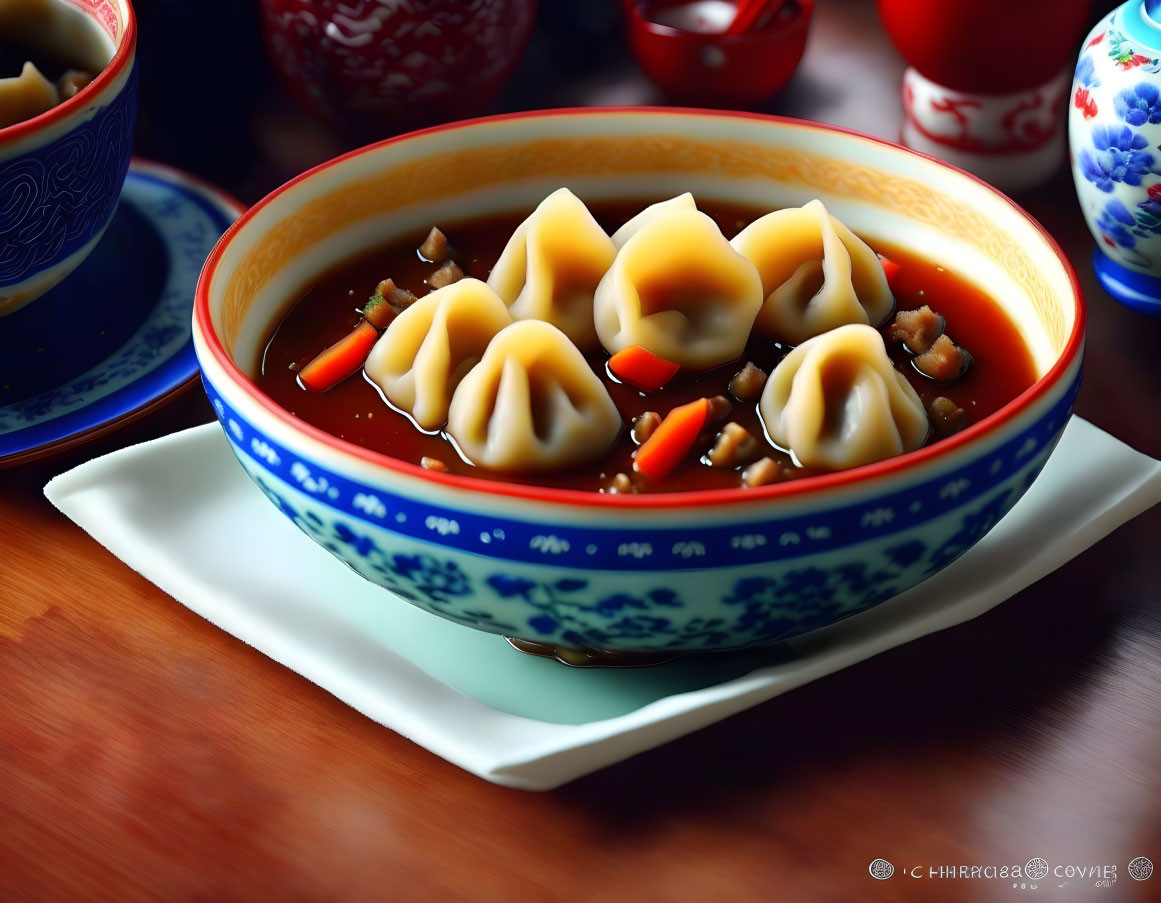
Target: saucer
183 513
71 371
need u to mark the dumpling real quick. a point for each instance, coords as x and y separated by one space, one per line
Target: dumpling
425 352
551 265
631 228
836 401
678 289
25 95
816 274
532 404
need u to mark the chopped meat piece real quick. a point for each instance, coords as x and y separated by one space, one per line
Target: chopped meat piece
644 426
399 298
748 383
761 472
719 407
434 247
621 484
946 416
445 276
379 312
71 82
433 464
733 446
917 329
944 362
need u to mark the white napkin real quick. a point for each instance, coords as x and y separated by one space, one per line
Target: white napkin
182 512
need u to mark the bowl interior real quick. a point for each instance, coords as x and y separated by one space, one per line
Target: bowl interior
883 192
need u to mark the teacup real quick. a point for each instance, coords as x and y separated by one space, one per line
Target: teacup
61 172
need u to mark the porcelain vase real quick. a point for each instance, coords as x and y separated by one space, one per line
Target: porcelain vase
1114 135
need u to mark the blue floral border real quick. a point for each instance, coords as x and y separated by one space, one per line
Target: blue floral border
654 548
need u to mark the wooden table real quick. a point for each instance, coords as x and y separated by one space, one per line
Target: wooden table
145 755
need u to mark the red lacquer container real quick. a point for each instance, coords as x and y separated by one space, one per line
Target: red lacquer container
987 82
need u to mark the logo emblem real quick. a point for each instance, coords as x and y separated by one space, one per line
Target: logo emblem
1036 869
1139 869
881 869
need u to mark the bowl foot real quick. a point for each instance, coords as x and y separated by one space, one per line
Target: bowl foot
584 657
1135 290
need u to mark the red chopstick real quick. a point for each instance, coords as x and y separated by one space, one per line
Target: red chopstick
749 11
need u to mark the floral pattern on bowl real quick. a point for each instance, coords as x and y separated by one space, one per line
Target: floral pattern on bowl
583 588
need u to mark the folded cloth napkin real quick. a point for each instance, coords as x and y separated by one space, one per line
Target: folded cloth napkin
183 513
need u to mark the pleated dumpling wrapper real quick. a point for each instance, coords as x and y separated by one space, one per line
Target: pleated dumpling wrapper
532 404
679 290
25 95
426 350
550 267
631 228
836 401
816 274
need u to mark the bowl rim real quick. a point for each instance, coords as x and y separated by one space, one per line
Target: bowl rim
121 58
851 478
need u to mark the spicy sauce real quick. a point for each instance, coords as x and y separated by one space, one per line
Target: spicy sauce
355 411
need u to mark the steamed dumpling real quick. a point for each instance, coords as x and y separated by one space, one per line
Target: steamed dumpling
631 228
678 289
551 265
425 352
532 404
25 95
816 274
836 401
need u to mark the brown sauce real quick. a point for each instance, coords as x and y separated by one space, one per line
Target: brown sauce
355 411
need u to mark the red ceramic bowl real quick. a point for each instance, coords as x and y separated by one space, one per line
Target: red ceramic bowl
717 70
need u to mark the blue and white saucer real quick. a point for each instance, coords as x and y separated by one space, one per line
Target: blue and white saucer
71 371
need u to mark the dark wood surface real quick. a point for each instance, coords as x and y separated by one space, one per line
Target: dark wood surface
145 755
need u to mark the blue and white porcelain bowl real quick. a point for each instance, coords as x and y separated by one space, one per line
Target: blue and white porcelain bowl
61 172
649 573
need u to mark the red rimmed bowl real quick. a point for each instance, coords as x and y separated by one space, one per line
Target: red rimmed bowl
61 172
651 573
713 69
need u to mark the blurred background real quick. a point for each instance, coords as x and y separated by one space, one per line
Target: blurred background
256 135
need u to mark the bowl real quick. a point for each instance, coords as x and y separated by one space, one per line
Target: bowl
61 172
714 69
628 573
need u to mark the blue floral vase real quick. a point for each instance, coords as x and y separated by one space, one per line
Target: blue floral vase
1115 140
